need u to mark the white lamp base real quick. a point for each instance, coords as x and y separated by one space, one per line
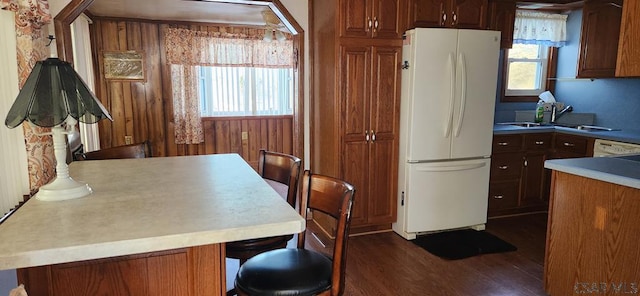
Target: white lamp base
63 189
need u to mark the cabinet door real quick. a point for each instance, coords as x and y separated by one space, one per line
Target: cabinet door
427 13
384 110
356 18
535 188
354 99
355 73
386 19
385 92
628 64
355 170
468 14
599 39
383 178
502 16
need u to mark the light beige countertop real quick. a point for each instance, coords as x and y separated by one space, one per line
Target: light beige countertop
147 205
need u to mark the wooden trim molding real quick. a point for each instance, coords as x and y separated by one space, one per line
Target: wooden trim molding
62 24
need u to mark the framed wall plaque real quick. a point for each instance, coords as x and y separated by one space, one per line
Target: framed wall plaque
123 65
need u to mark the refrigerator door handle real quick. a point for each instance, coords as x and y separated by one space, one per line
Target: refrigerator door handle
451 168
447 128
463 92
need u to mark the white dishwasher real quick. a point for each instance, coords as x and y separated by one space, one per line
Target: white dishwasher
607 147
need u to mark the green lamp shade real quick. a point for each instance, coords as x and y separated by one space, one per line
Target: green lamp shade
53 91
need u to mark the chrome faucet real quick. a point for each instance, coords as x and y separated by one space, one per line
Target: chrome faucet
557 114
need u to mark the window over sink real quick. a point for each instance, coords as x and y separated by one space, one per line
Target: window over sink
528 70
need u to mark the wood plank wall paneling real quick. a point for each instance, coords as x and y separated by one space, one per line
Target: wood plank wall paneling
144 111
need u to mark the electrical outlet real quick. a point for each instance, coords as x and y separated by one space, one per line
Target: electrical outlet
245 135
128 140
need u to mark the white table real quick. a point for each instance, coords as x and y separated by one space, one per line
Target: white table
148 206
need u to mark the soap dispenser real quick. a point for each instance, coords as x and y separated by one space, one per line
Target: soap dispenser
539 115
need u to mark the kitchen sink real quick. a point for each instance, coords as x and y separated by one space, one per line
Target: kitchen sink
582 127
595 128
522 123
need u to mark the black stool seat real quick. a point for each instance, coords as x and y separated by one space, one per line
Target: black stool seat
285 272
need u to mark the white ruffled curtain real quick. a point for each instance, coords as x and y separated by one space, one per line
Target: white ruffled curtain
541 28
189 49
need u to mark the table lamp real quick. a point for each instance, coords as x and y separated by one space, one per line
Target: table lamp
55 96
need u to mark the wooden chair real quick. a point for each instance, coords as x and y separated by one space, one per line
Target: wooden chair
299 271
282 172
139 150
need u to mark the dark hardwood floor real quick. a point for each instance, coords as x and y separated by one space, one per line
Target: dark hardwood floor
387 264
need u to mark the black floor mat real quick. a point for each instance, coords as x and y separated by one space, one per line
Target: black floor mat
461 244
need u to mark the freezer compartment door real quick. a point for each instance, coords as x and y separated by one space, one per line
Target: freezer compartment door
446 195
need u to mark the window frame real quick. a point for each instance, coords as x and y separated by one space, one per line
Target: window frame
552 58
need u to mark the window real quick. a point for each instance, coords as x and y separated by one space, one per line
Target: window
245 91
528 71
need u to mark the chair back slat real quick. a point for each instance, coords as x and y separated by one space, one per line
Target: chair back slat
139 150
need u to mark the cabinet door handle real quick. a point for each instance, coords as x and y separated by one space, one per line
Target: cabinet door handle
375 23
454 18
567 144
366 136
503 167
444 18
373 136
503 143
498 196
539 142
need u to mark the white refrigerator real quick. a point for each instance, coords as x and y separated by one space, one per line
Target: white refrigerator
449 82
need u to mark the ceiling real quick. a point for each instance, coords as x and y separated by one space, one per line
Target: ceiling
182 10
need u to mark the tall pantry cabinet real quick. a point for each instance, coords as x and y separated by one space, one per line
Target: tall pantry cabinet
356 56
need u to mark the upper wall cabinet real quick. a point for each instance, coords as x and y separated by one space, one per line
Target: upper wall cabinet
371 18
463 14
502 17
628 64
599 38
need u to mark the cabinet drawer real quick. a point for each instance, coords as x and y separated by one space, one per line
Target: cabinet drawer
572 144
537 142
503 195
506 143
506 166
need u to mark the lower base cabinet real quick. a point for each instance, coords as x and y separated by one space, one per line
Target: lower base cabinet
592 240
519 182
194 271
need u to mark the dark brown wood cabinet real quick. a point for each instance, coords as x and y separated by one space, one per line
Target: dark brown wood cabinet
463 14
535 181
502 17
519 183
355 105
570 146
628 63
599 39
371 18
